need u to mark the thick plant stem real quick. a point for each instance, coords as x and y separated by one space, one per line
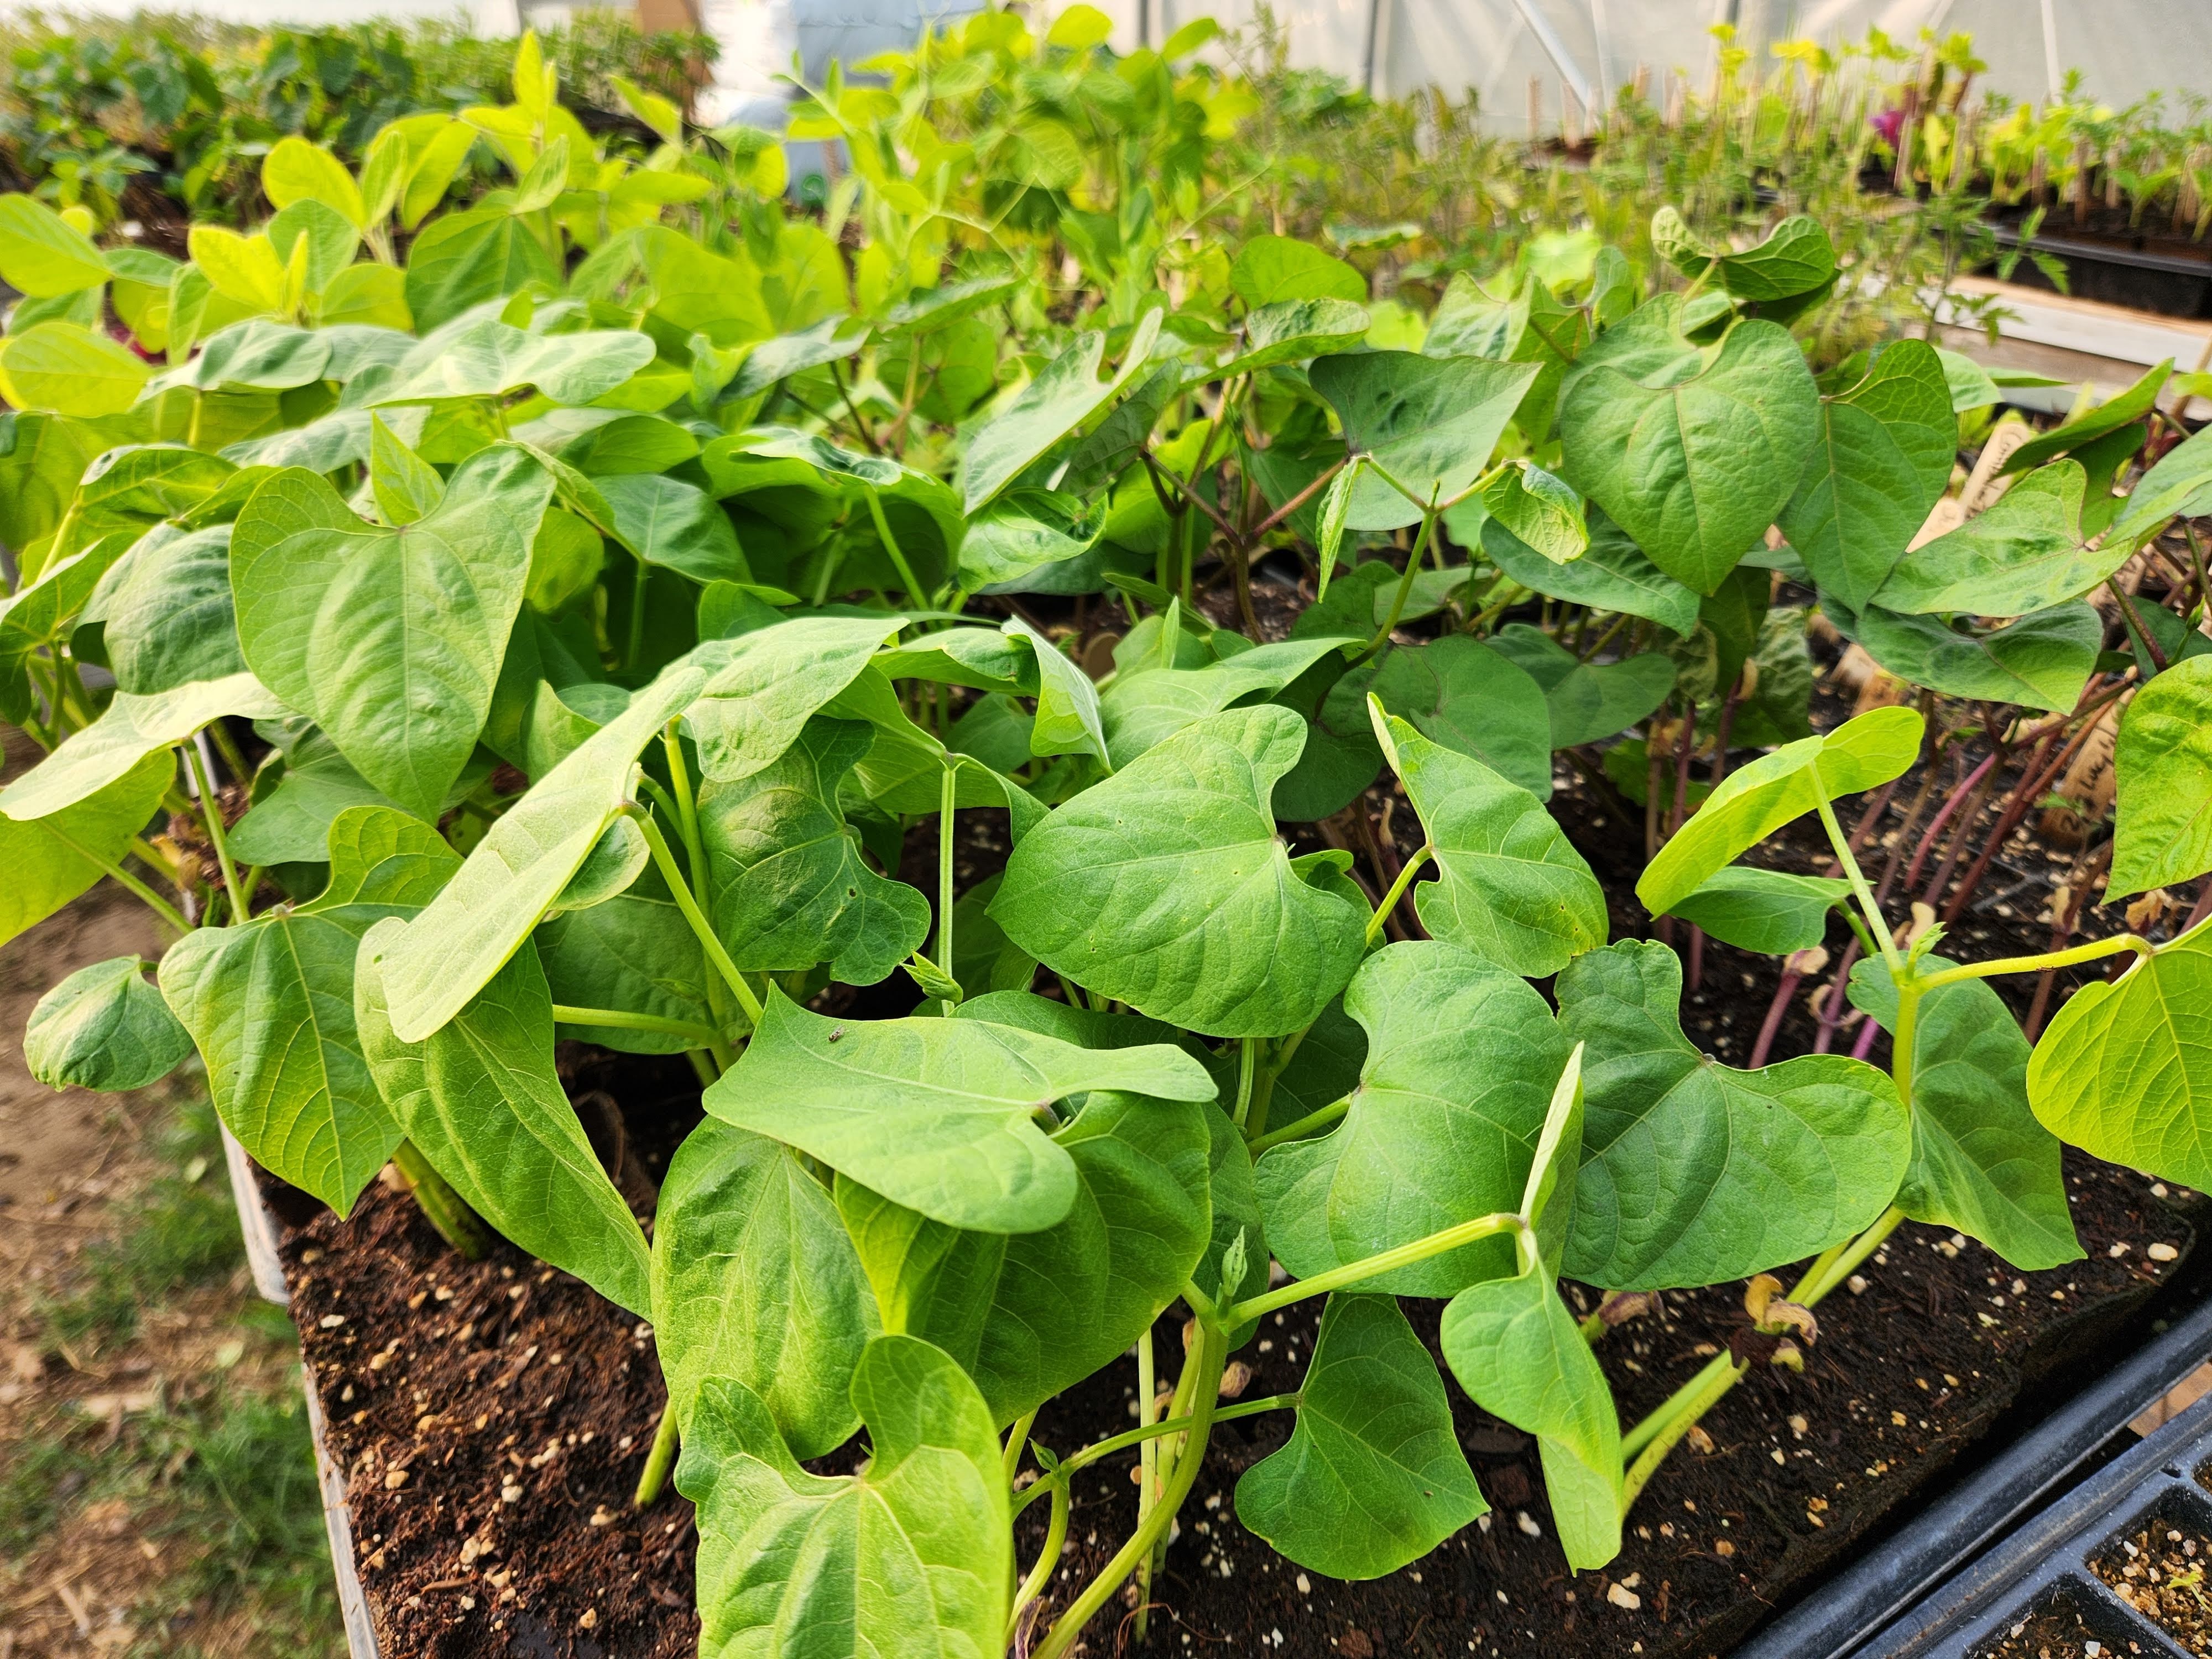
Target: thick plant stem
456 1223
914 594
1017 1437
1715 1384
1209 1354
660 1460
1405 583
1055 1537
1307 1125
1248 1049
211 813
2079 953
680 891
621 1019
947 796
1856 876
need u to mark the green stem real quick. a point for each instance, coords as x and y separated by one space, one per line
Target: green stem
1246 1050
1857 876
1209 1355
2103 947
1055 1537
681 892
1405 583
130 883
1306 1126
1148 1454
635 647
1355 1273
686 811
1264 1096
456 1223
914 593
1129 1437
1647 1464
660 1460
211 815
947 793
1375 922
1016 1436
621 1019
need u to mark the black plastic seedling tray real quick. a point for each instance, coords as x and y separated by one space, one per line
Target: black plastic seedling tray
2016 1540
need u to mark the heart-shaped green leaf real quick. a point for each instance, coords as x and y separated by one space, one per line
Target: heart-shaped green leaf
938 1114
1166 887
2040 661
1143 707
271 1005
1066 393
390 639
451 951
773 681
42 254
1694 1172
1292 330
1031 1314
1512 890
754 1278
1980 1161
1769 911
1461 1059
2025 553
1612 574
104 1027
1469 696
669 522
1515 1348
1755 801
1692 450
1270 269
912 1556
2164 759
788 885
1431 423
1373 1477
1539 512
2178 486
1881 459
169 611
2124 1072
1796 257
1588 701
462 259
479 1098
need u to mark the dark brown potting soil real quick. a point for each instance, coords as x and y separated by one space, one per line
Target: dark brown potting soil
2158 1567
2054 1631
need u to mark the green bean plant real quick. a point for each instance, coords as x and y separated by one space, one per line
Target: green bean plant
588 629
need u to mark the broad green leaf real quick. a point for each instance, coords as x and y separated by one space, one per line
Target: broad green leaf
1769 911
479 1098
46 610
2178 486
290 823
160 480
42 254
270 1005
667 521
407 488
1694 1172
831 340
2025 553
634 952
243 269
257 354
2108 417
1515 1348
938 1114
1031 1314
788 885
1430 421
1373 1477
2164 759
775 680
1270 269
1878 465
1463 694
53 857
1980 1161
486 358
1612 574
104 1027
755 1280
699 292
1969 383
1796 257
295 170
316 240
1140 709
1023 532
2125 1071
1461 1059
133 729
1068 719
1166 887
1292 330
391 640
1538 512
41 459
463 259
1510 888
454 947
1588 701
1066 393
603 443
1693 451
2040 662
913 1556
1757 799
66 368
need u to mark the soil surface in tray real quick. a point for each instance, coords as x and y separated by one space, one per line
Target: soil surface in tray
2158 1567
2055 1632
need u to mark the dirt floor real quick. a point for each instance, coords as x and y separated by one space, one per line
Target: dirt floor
157 1490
